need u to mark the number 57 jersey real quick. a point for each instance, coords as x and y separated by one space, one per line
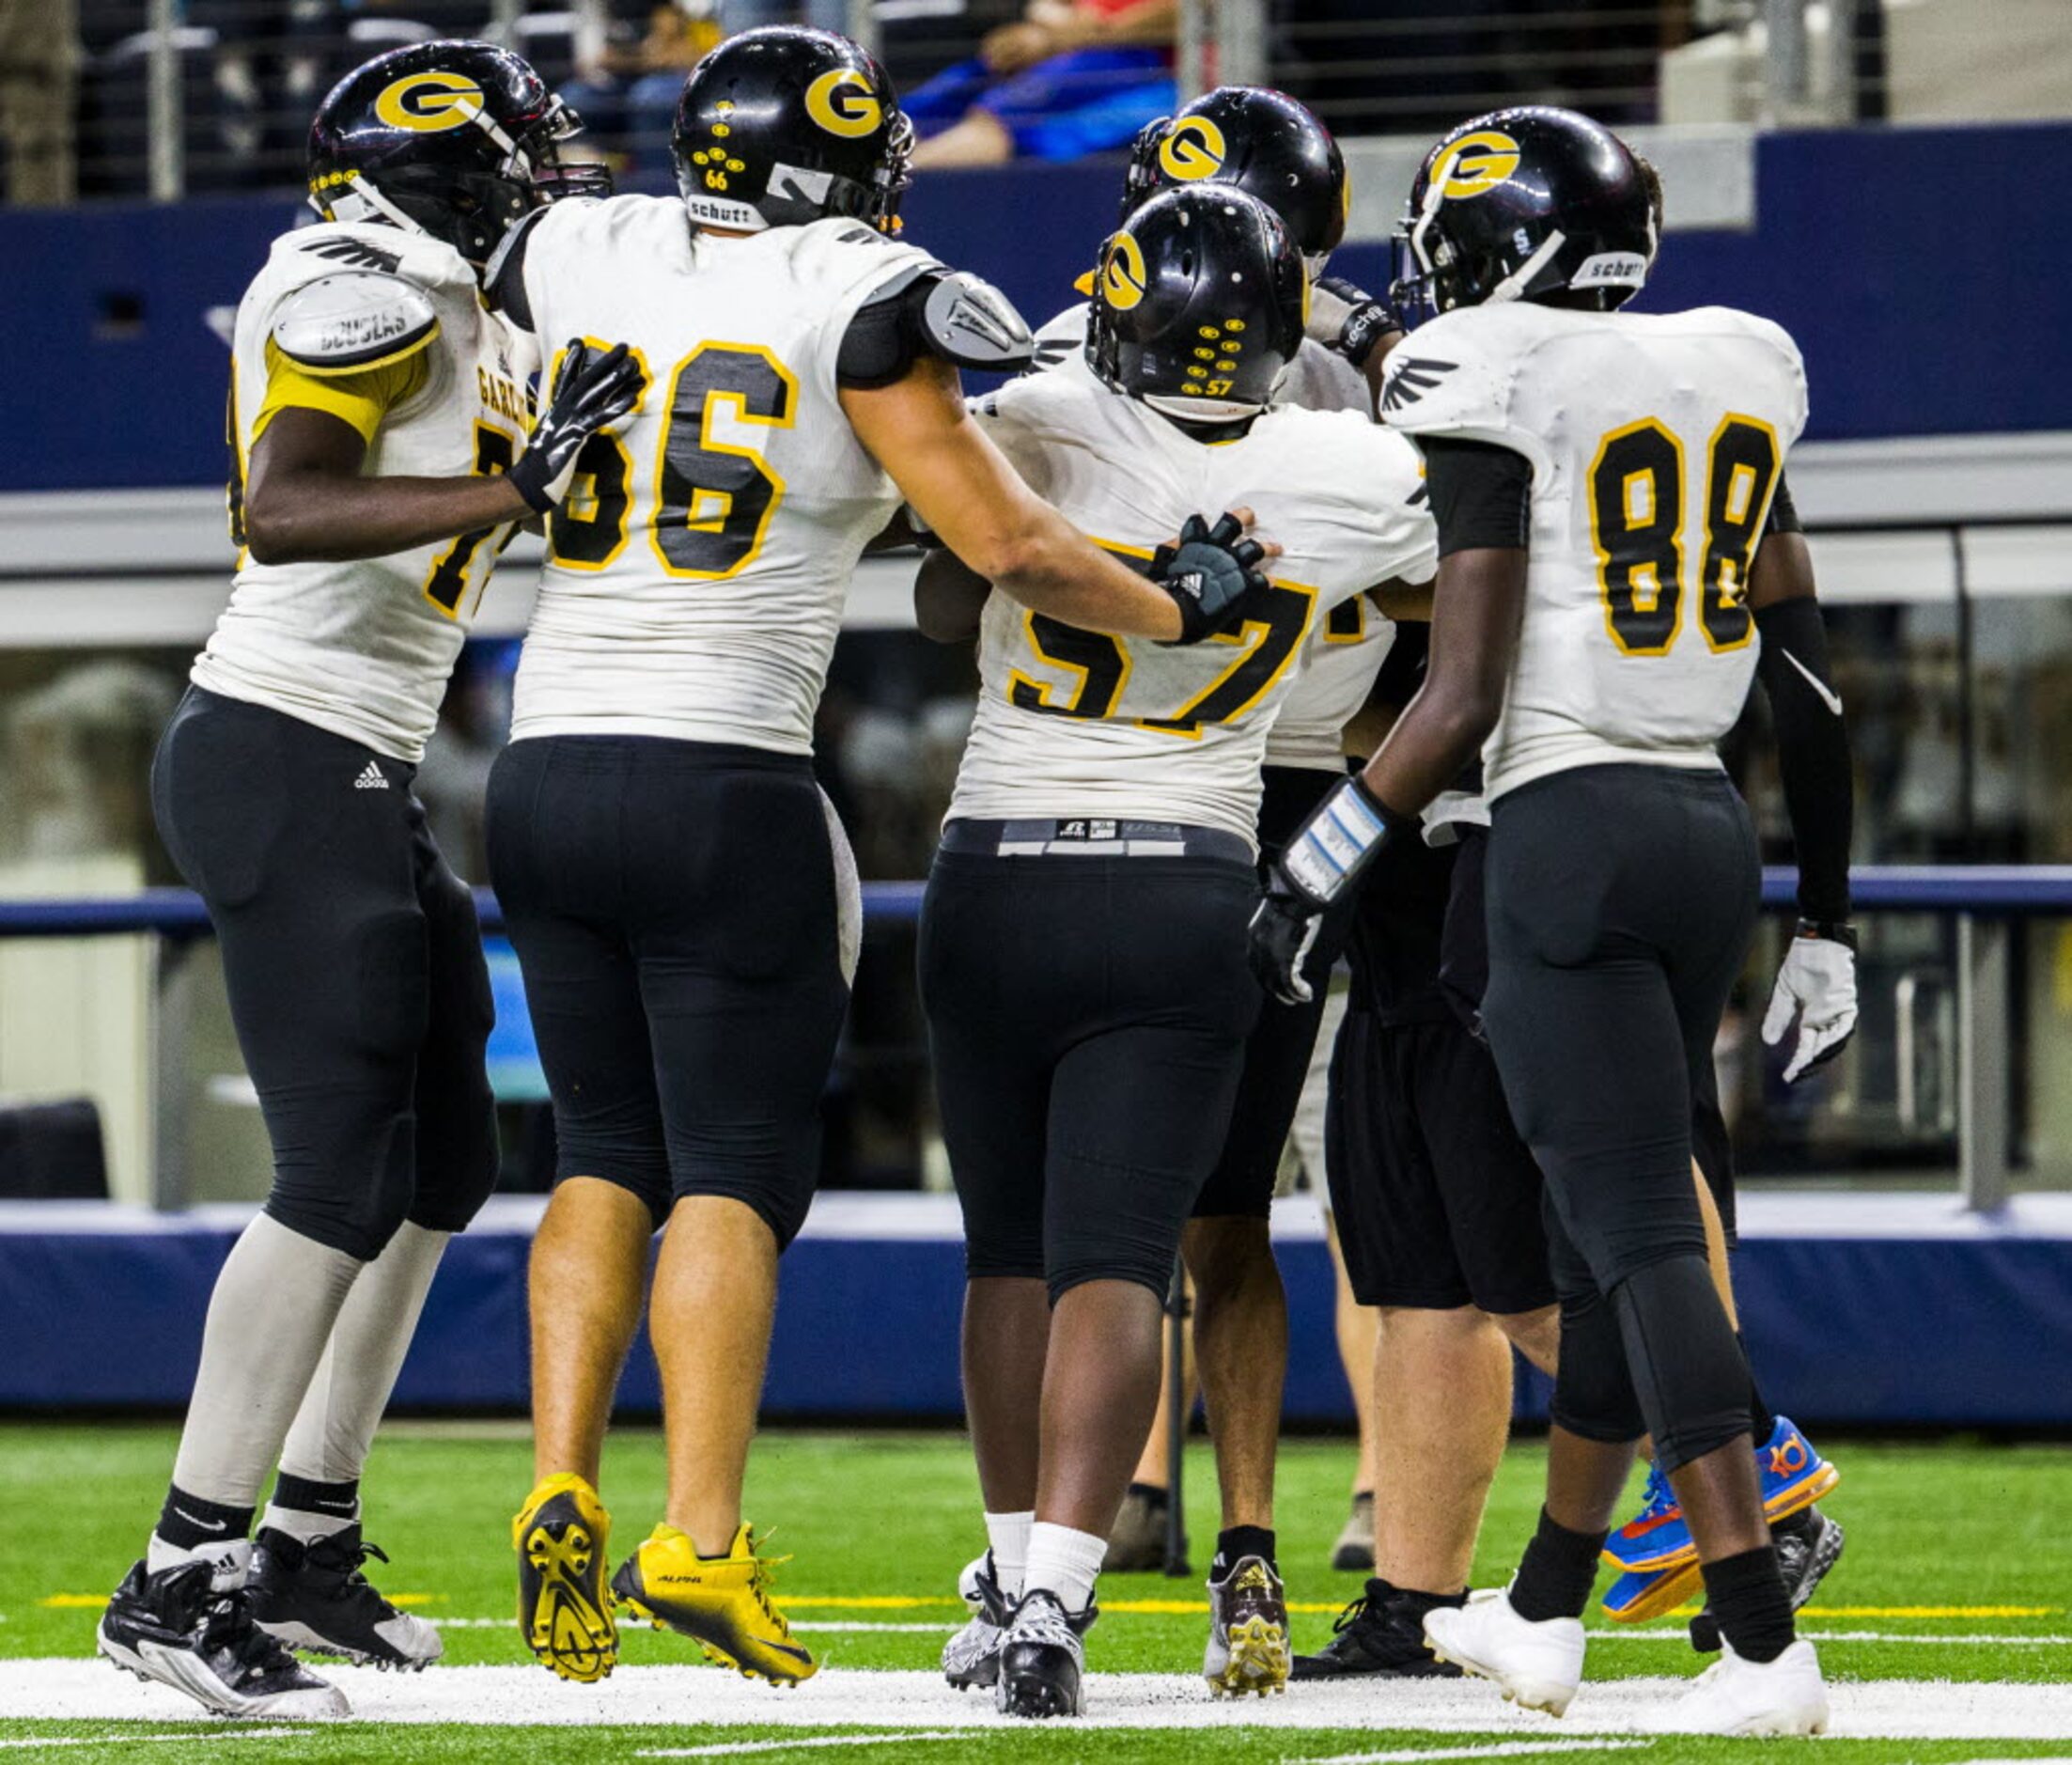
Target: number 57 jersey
697 571
1076 724
1656 444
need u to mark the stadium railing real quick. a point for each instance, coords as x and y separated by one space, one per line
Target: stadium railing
1984 900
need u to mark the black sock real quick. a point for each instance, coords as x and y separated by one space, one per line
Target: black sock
1155 1493
1381 1592
1762 1418
305 1495
1749 1604
1242 1541
187 1522
1556 1575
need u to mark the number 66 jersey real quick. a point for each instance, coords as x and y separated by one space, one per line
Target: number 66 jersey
1656 445
697 571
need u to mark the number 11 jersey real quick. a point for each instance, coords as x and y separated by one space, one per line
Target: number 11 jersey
1656 444
697 571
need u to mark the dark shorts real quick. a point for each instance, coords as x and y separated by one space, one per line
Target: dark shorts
675 907
1437 1199
353 964
1087 1017
1277 1053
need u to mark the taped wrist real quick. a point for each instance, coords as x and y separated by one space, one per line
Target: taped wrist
1813 752
1342 835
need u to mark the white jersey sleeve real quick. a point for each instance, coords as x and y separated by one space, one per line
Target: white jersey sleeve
696 573
1656 444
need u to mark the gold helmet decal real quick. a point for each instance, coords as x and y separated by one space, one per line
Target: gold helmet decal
1194 149
842 103
429 102
1123 275
1475 165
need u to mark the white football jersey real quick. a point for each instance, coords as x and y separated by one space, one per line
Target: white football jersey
1072 722
364 649
696 573
1347 653
1657 441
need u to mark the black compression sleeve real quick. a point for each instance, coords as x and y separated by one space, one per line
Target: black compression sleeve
1403 668
1784 513
1482 494
886 337
1813 752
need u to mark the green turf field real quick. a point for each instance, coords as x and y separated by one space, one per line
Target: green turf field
1960 1568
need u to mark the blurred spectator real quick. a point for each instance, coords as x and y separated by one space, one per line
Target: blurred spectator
1069 78
628 96
38 60
746 15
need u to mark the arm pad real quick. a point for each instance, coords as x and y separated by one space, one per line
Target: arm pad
946 313
1813 752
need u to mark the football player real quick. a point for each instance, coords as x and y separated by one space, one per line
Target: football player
682 897
380 460
1079 956
1604 484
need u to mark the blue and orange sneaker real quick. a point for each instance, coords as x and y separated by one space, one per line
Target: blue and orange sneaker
1642 1594
1794 1476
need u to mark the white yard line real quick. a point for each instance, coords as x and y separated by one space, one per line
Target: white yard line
79 1690
1502 1749
159 1740
736 1748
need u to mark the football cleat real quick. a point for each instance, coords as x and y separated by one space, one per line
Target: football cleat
1354 1549
1136 1543
1248 1648
177 1628
1808 1546
1381 1633
1643 1593
1536 1664
720 1603
971 1657
564 1612
1794 1476
1735 1697
1042 1662
314 1599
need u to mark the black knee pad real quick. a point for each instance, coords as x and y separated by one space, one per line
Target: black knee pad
1686 1364
458 1158
359 1194
1593 1397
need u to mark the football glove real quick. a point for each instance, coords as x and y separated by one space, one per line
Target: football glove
1816 984
1322 859
594 389
1208 571
1347 321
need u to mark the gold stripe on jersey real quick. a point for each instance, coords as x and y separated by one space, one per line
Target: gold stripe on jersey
361 398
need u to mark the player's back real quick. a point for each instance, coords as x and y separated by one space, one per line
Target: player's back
1072 722
1657 442
695 575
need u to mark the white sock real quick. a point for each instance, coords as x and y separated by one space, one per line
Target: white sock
1009 1534
268 1318
1065 1561
333 1430
232 1559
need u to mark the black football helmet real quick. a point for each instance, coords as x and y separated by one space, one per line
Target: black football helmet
1199 302
1532 204
785 125
454 139
1263 142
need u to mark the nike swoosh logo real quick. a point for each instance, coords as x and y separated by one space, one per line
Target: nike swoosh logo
786 1649
1829 696
207 1525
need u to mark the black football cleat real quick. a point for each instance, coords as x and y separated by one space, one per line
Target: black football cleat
971 1657
316 1599
1042 1662
1380 1634
177 1628
1808 1545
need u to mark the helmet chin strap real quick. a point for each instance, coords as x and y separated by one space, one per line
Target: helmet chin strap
361 201
1513 287
1201 410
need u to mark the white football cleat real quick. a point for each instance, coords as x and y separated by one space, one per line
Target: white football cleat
1737 1696
1535 1665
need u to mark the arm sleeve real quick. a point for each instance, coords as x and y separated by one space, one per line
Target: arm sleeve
1481 494
885 338
1402 670
1784 513
361 400
1813 752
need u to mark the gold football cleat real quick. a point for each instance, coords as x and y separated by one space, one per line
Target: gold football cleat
720 1603
561 1535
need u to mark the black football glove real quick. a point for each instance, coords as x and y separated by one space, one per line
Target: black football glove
1323 858
1347 321
1208 573
595 387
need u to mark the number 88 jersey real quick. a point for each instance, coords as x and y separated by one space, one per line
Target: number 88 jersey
697 571
1657 442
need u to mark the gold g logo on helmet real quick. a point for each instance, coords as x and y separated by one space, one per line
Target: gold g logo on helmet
1194 149
1123 276
429 102
842 103
1475 165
